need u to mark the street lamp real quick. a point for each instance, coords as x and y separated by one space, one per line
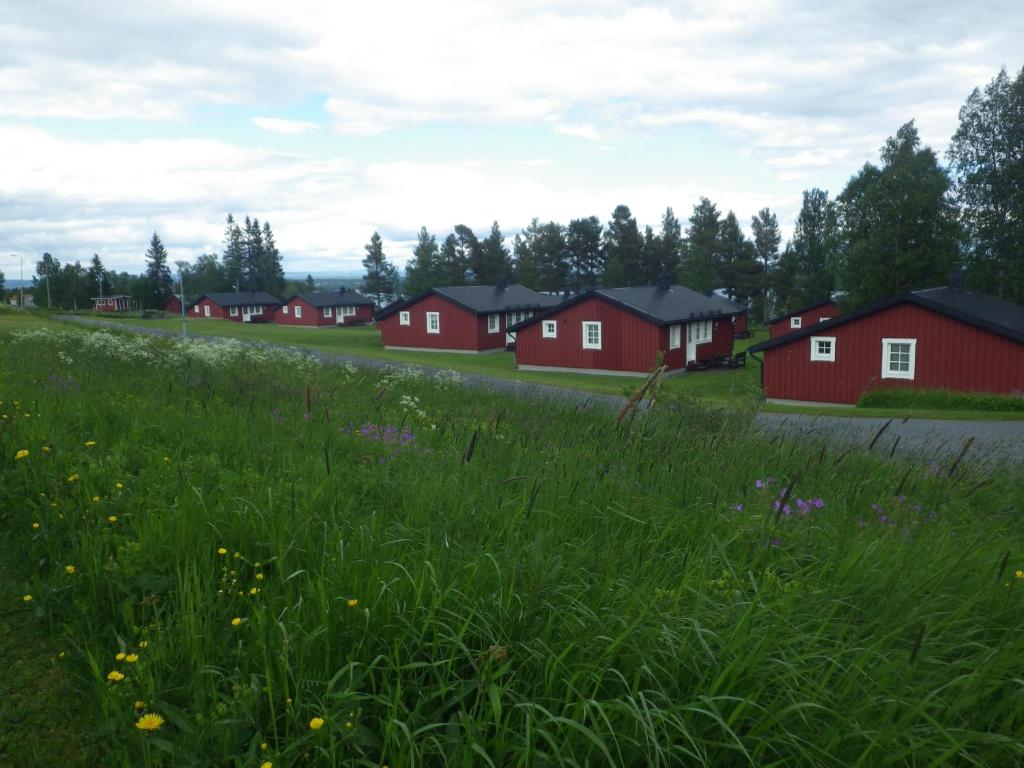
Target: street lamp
181 287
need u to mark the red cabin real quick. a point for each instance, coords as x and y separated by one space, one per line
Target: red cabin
801 318
248 307
320 308
120 303
940 338
172 306
469 318
621 330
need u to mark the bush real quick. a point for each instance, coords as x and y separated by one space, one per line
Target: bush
940 399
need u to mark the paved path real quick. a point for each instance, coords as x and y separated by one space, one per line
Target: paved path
924 439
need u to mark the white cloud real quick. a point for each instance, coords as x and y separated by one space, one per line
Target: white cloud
582 131
538 162
281 125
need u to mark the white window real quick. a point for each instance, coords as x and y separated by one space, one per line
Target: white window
298 311
196 309
823 348
549 329
348 311
258 309
675 335
206 310
699 331
795 322
516 317
493 323
284 309
898 358
328 312
234 311
591 335
433 322
823 319
403 318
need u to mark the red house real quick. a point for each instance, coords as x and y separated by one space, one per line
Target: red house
469 318
621 330
249 307
801 318
320 308
119 303
940 338
172 306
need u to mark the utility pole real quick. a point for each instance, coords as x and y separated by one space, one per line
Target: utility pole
181 296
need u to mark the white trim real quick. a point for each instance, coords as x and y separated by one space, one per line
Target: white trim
328 311
588 326
675 336
796 322
233 311
911 362
206 310
823 319
549 329
284 310
822 353
493 323
298 311
403 318
433 322
348 310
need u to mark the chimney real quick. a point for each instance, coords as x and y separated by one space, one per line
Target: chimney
957 278
664 282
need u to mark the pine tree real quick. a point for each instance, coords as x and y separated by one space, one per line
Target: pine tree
701 265
206 275
470 253
524 266
98 284
158 274
424 271
767 238
310 285
495 263
253 271
234 254
272 270
814 245
583 253
739 267
623 250
452 263
381 277
670 245
550 257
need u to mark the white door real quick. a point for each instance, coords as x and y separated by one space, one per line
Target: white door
511 319
206 310
339 319
245 314
691 343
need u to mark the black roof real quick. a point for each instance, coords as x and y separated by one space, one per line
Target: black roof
480 299
1000 317
247 298
343 298
800 311
662 306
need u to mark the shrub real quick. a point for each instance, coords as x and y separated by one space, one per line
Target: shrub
940 399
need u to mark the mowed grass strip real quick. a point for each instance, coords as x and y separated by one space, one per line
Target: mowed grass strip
365 567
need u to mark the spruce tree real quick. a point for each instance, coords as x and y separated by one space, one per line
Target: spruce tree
234 254
272 269
253 271
310 285
158 274
381 277
701 265
767 237
524 266
669 245
452 263
470 253
550 257
96 277
424 271
583 253
623 250
814 245
495 263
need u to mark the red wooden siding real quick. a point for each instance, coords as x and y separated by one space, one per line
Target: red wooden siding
949 355
173 305
315 315
216 310
460 329
782 327
739 324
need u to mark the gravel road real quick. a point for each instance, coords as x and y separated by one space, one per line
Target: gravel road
993 442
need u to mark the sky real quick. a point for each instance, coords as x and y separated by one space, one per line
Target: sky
332 120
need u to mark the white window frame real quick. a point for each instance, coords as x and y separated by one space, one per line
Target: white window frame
348 311
698 331
433 322
298 311
403 318
493 323
549 329
796 322
284 309
675 336
887 372
233 311
206 310
817 354
196 309
587 326
823 319
328 312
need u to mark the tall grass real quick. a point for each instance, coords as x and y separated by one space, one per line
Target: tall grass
449 577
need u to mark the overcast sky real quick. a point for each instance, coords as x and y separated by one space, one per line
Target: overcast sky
335 119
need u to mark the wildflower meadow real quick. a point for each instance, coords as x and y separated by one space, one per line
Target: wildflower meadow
243 557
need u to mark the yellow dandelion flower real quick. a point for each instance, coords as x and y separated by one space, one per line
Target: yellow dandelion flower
22 454
131 658
95 499
60 655
90 443
167 459
221 551
69 569
352 602
112 519
235 621
143 644
264 746
259 577
119 486
35 526
266 764
253 591
120 656
26 599
348 724
149 722
114 676
1019 574
73 478
316 723
238 554
139 704
46 449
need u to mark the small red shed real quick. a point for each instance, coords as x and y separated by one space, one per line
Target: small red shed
468 318
173 305
321 308
940 338
244 307
621 330
801 318
119 303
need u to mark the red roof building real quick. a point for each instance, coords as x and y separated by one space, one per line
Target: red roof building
621 330
940 338
248 307
325 308
800 318
469 318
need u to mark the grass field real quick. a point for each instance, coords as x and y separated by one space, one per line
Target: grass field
303 565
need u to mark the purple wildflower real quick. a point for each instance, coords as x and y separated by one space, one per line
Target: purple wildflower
737 507
759 484
818 503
